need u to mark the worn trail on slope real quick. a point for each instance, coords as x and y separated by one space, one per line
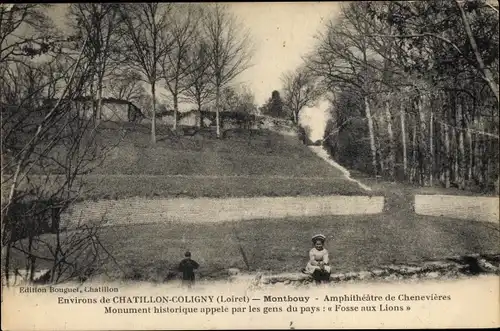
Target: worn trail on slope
318 150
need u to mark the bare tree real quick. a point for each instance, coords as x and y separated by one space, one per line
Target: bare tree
229 49
98 23
176 64
344 60
238 99
48 143
24 17
199 87
127 85
147 36
300 90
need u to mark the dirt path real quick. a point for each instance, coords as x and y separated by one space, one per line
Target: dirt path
320 151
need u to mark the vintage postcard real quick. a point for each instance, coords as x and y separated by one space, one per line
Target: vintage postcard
196 166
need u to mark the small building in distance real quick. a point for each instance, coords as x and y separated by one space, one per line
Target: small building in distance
114 110
230 119
207 118
117 110
189 118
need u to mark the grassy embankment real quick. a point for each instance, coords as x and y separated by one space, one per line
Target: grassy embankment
243 164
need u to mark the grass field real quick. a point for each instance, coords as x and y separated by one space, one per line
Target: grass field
151 251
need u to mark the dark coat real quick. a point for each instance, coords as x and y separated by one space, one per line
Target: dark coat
187 267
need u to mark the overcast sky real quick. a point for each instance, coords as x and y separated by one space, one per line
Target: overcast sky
282 33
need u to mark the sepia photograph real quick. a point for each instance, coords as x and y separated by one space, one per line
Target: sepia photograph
268 165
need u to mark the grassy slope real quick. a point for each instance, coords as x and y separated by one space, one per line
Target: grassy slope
244 163
242 153
150 252
115 187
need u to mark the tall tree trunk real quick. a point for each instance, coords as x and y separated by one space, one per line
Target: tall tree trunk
380 156
93 102
422 157
99 101
153 117
6 261
485 161
455 171
489 151
431 146
31 260
471 156
461 165
403 138
438 145
413 151
483 156
372 135
392 148
176 109
217 106
440 156
477 160
454 142
200 119
447 161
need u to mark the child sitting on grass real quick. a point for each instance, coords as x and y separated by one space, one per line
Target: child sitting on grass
187 267
318 266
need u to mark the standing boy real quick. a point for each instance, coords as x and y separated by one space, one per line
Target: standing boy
187 267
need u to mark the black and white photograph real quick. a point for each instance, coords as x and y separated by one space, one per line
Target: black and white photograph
226 165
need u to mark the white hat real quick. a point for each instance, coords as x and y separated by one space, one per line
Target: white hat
318 236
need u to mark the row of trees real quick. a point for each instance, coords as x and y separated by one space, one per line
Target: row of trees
234 98
194 51
415 88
